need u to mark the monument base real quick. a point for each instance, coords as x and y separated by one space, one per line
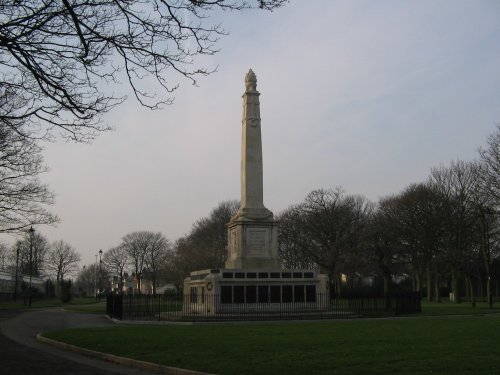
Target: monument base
260 291
252 244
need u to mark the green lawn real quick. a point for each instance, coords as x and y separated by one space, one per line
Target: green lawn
416 345
78 304
92 308
464 308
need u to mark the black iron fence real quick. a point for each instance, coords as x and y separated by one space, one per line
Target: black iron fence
212 307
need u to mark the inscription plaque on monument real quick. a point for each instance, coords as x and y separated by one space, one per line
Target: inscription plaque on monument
256 240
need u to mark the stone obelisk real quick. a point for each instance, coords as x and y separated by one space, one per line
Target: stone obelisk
252 232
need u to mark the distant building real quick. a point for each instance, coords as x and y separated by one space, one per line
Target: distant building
130 285
8 282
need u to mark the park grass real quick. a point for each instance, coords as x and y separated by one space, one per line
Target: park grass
464 308
91 308
415 345
76 304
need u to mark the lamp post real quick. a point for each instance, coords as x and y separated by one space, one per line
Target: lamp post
32 231
86 285
100 273
95 277
17 270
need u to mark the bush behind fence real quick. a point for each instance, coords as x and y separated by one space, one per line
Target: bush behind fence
183 308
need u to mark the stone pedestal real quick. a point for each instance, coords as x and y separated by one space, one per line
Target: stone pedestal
252 245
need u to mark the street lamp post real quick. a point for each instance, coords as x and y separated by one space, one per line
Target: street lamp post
17 271
100 273
95 277
32 231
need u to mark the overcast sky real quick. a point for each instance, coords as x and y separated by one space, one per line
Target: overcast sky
367 95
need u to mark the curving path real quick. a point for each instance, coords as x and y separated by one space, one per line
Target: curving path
22 354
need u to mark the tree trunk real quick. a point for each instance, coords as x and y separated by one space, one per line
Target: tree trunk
387 284
417 281
480 290
454 285
58 286
120 283
487 263
437 294
138 283
467 289
351 282
332 279
471 289
488 292
429 284
338 283
387 290
485 249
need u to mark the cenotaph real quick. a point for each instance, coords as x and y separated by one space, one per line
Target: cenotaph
252 232
252 280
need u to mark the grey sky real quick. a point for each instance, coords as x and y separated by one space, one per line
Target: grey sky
368 95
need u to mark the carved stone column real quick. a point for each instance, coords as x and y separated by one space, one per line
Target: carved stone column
252 232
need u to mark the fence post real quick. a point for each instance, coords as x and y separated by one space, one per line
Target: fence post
109 305
118 306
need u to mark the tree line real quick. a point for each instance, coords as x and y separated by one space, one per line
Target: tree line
33 254
150 255
140 253
440 233
435 236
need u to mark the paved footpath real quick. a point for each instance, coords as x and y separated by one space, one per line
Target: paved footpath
21 354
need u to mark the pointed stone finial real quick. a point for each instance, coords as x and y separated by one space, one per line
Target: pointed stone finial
251 81
251 77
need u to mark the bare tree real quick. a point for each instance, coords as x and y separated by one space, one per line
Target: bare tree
328 227
486 204
22 195
158 249
115 260
178 265
146 252
86 280
4 256
205 246
57 58
136 244
20 254
293 241
457 186
490 166
208 235
62 260
381 243
410 225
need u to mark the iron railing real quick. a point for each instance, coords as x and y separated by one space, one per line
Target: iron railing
213 308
